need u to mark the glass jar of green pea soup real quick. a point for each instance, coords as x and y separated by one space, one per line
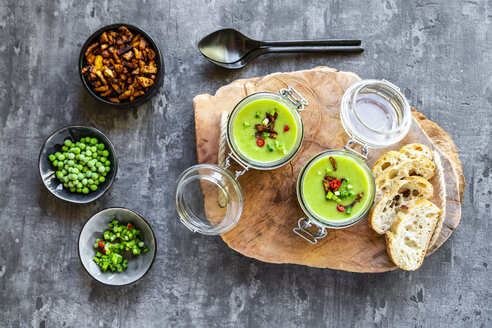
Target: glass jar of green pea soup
264 132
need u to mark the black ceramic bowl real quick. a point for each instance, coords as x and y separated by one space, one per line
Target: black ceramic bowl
54 143
93 229
159 61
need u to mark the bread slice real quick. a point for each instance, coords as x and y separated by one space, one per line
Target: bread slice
393 158
402 194
420 166
416 150
410 233
389 159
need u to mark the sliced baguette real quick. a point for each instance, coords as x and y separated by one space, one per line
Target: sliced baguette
420 166
389 159
410 233
402 194
393 158
416 150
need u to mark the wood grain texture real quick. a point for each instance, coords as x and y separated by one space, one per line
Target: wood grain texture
271 209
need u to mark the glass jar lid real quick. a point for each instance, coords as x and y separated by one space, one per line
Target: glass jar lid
209 199
375 113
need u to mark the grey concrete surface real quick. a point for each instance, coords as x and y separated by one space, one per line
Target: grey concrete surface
438 51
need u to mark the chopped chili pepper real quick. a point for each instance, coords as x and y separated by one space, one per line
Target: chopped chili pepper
129 225
260 142
101 244
334 184
286 128
340 208
103 251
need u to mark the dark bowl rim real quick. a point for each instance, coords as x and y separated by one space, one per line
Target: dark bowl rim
144 98
109 144
153 238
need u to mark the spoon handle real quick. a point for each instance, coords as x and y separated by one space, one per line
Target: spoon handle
314 49
323 42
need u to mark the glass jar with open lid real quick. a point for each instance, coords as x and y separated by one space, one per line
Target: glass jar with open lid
264 132
336 188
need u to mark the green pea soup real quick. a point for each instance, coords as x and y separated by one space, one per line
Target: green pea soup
243 131
314 193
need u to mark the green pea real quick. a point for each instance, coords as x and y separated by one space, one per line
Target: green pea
79 190
55 163
107 163
84 181
105 153
107 169
102 179
52 157
94 155
82 146
90 182
79 185
68 142
61 157
103 159
93 141
71 155
72 189
71 163
93 187
85 190
80 167
80 176
65 148
103 169
98 164
100 146
76 150
93 149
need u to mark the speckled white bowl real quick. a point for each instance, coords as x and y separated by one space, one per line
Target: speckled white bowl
94 227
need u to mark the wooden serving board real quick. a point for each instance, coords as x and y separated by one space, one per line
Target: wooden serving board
271 209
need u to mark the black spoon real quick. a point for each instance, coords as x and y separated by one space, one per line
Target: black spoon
231 49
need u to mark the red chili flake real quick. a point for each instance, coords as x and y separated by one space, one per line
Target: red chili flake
260 142
340 208
101 244
129 225
334 184
286 128
103 251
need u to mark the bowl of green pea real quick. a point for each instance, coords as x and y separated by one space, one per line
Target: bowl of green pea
77 164
116 246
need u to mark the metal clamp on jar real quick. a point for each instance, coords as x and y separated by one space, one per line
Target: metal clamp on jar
209 198
375 114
